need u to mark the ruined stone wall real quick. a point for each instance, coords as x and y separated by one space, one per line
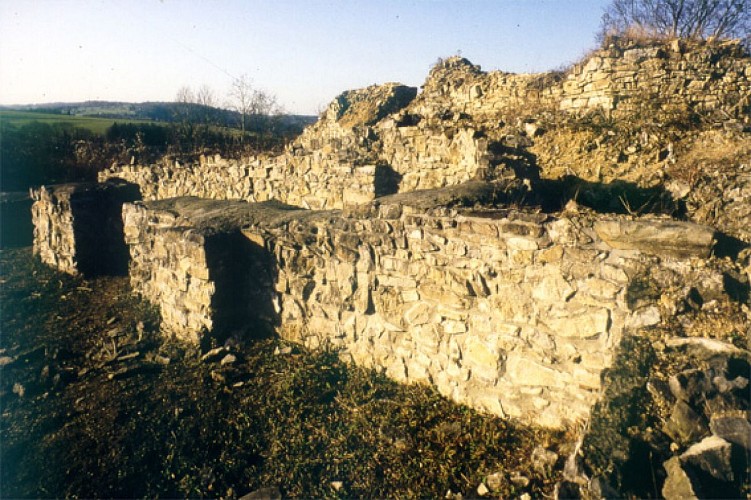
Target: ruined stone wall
384 139
513 313
457 88
446 156
78 227
310 180
690 75
168 267
187 255
698 76
330 165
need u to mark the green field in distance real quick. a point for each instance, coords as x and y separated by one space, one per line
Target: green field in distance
95 124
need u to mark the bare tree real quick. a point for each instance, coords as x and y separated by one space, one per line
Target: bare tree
184 98
241 98
251 103
205 97
184 95
679 18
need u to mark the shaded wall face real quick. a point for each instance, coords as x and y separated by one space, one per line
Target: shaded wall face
243 274
98 230
78 227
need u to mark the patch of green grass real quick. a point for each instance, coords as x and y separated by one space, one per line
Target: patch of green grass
94 124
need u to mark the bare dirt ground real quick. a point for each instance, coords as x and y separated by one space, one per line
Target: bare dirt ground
95 403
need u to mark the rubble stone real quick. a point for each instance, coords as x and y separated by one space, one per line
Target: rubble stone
712 455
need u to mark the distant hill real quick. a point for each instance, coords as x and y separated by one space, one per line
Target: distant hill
168 112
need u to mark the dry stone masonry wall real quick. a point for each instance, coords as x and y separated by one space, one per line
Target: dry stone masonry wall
329 166
510 312
188 257
78 227
386 139
698 76
372 234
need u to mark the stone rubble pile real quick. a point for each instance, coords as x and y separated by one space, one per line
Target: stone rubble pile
707 421
674 419
723 199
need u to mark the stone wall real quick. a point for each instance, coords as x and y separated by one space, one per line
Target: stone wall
510 312
689 75
311 180
492 311
78 227
187 254
329 166
341 160
464 124
458 90
698 76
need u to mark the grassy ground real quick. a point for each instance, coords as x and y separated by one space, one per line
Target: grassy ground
96 404
94 124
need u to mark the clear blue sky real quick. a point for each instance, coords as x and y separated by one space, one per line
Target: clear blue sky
304 51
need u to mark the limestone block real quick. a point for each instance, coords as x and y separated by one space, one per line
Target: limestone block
440 296
524 371
678 484
452 327
490 403
397 370
553 287
511 302
642 318
657 237
426 338
599 288
355 197
483 357
586 378
613 274
418 314
584 322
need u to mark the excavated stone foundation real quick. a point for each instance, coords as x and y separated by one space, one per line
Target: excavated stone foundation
395 255
512 312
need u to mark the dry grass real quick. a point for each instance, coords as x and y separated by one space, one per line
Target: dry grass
710 152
